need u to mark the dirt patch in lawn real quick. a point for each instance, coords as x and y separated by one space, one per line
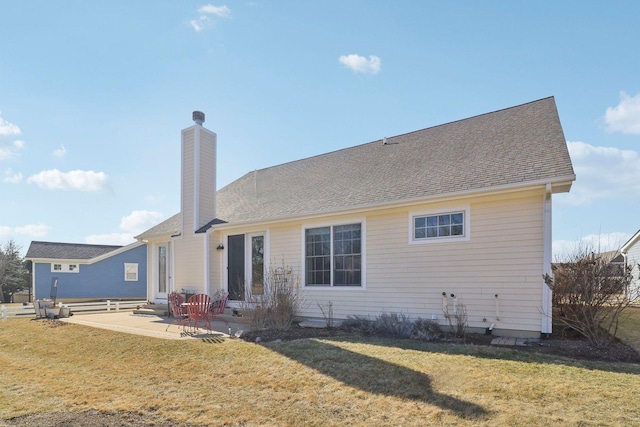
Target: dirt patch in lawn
91 418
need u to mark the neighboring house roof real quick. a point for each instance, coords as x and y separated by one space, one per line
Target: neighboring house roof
516 146
618 259
75 251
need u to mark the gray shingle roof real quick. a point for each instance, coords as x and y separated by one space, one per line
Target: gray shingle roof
56 250
513 146
168 227
510 146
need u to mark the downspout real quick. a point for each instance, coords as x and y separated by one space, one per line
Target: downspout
207 263
546 326
33 281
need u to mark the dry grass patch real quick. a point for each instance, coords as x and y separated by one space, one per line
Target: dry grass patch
307 382
629 329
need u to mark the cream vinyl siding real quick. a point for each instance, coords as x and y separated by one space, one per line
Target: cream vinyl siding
206 177
187 180
503 256
189 262
216 262
633 258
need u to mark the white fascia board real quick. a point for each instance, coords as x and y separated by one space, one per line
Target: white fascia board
457 196
632 241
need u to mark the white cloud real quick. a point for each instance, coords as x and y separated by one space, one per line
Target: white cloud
11 177
200 23
131 225
121 239
221 11
74 180
204 20
139 221
625 117
33 230
60 152
10 150
30 230
360 64
564 249
602 172
7 128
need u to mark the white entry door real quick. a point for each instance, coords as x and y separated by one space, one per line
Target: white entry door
162 273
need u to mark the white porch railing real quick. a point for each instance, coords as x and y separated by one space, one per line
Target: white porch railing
76 308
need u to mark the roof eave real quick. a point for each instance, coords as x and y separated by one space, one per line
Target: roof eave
558 185
632 241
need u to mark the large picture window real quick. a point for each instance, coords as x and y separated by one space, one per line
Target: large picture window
333 255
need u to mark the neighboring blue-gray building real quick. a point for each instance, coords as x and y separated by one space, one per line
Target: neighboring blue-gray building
89 271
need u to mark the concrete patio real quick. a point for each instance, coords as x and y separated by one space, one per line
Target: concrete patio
153 325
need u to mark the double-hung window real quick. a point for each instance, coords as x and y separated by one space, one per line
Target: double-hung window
333 255
130 272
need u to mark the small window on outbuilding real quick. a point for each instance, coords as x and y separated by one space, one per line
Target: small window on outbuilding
130 272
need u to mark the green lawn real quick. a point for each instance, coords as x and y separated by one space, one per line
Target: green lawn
320 382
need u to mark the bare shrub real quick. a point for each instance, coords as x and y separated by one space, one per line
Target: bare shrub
426 330
279 302
590 293
359 324
327 314
458 320
395 325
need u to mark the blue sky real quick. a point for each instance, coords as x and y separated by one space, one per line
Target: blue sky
93 96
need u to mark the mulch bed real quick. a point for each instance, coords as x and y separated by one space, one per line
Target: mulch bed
561 343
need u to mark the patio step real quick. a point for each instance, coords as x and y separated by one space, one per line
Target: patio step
152 309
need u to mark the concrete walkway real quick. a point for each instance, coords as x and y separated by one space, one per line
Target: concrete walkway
152 325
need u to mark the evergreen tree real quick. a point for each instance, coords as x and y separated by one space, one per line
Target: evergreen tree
14 276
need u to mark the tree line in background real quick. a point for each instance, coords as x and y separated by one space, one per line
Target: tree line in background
14 271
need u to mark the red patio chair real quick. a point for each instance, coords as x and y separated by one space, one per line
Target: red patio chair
178 310
198 309
217 310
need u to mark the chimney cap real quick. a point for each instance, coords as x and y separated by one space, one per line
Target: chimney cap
198 117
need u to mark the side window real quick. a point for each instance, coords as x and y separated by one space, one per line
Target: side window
433 227
130 272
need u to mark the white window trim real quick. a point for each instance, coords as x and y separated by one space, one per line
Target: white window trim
363 255
131 264
65 267
431 212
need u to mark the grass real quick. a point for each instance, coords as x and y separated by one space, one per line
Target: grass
629 329
307 382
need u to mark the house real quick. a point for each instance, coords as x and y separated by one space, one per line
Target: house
630 253
88 272
418 223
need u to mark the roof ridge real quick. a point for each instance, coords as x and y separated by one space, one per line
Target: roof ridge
75 244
